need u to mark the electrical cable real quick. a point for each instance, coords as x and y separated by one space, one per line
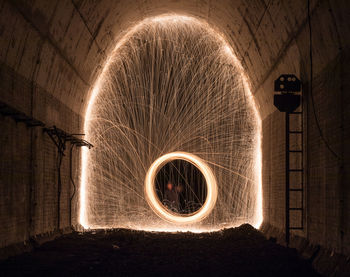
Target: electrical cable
311 85
60 150
72 180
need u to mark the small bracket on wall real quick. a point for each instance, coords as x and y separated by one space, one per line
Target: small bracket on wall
7 110
60 137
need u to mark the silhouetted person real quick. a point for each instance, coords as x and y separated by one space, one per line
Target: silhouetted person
171 197
179 189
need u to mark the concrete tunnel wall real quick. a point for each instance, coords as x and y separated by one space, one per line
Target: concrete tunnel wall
52 51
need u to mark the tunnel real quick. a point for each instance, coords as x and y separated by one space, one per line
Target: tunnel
104 103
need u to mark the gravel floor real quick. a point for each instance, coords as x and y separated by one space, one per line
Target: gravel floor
241 251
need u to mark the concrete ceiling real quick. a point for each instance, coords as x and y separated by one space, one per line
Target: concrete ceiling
60 46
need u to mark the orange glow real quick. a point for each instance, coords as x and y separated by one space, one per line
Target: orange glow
158 207
150 195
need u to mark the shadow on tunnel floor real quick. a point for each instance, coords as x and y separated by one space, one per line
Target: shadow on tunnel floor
242 251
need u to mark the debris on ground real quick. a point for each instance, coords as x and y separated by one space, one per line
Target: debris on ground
242 251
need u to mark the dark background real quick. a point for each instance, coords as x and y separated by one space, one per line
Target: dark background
185 174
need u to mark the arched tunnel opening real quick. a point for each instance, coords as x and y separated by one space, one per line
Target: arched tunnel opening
174 137
171 84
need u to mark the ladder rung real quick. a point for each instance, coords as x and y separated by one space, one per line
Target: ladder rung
296 228
296 209
295 132
296 151
295 189
295 170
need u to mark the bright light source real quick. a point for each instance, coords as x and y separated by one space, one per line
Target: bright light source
157 206
227 56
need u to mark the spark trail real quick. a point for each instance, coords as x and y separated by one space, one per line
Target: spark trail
171 85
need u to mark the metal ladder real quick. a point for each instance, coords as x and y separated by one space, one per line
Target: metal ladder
294 186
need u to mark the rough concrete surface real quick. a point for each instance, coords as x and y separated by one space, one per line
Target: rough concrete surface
51 53
241 251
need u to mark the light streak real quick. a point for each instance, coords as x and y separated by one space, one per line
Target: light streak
104 76
158 207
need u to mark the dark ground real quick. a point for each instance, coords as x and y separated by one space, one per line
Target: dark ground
240 251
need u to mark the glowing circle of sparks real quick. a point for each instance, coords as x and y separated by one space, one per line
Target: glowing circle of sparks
157 206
